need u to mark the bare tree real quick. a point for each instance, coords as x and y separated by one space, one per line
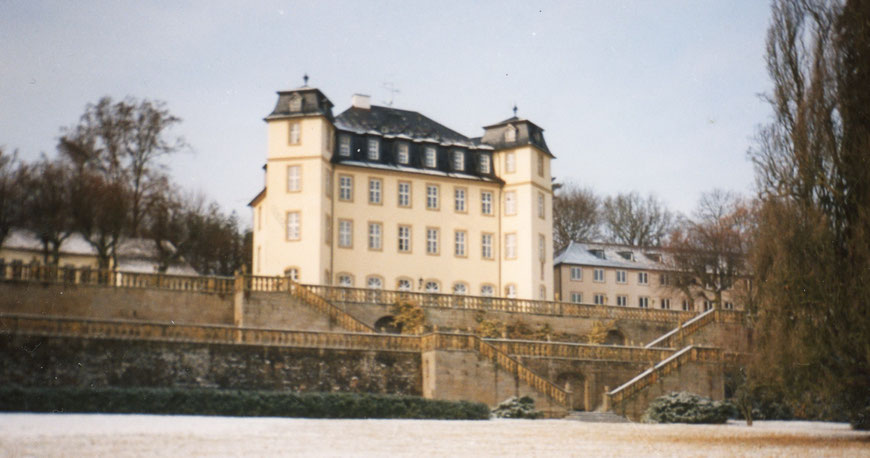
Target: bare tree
12 177
812 252
575 215
46 206
630 219
125 141
99 209
707 254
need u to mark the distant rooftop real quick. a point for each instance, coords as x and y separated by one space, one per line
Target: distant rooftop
610 255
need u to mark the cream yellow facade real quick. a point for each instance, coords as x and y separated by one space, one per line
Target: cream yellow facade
393 208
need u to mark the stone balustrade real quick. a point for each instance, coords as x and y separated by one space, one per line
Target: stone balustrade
532 348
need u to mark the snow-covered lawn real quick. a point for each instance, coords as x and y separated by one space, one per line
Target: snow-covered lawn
152 435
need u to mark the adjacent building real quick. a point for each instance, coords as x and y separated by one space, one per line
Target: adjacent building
379 197
610 274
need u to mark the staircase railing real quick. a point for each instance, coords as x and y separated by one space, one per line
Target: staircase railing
568 350
499 358
304 294
668 365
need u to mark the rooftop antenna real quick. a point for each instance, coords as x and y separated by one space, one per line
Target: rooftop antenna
305 80
515 110
391 88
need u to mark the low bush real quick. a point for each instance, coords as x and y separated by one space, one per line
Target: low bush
246 403
684 407
513 407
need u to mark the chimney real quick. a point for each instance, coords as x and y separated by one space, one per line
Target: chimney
361 101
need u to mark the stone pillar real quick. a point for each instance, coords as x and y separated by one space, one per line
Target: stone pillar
239 298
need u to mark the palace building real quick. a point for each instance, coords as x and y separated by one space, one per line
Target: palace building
379 197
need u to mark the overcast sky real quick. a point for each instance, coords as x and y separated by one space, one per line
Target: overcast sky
655 96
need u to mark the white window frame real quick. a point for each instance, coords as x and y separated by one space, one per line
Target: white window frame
576 273
294 178
432 287
345 233
665 304
433 234
295 133
486 202
622 300
404 238
510 163
344 145
293 226
576 297
486 246
459 243
621 277
459 195
376 236
487 290
432 194
404 190
599 299
345 280
404 153
345 187
374 282
460 288
373 149
510 291
404 284
458 161
598 275
485 164
510 246
643 302
642 278
375 191
431 157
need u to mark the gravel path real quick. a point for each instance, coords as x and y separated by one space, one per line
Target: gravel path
149 435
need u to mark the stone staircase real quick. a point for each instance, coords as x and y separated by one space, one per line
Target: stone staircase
596 417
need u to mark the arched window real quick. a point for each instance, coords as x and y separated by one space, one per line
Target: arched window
460 288
487 290
345 280
374 282
404 284
432 286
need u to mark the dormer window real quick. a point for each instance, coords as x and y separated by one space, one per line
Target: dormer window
510 135
627 255
458 161
373 149
403 154
431 160
344 145
295 103
485 164
597 253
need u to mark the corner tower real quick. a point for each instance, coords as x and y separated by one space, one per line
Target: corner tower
522 161
292 215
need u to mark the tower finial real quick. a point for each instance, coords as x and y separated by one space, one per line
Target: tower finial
515 110
305 79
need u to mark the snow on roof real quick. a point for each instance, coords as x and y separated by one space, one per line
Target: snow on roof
21 239
609 255
399 168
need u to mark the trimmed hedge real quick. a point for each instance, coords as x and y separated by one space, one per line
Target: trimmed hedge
685 407
245 403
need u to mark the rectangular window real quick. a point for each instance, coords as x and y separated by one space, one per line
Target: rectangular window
403 154
292 226
577 298
486 202
666 304
459 243
485 164
375 234
688 306
486 246
345 233
374 149
459 199
344 146
294 178
664 280
431 159
642 278
510 246
643 302
599 299
432 196
620 276
541 212
622 301
375 185
431 240
404 193
510 163
576 273
598 275
345 187
542 248
404 239
540 165
729 305
510 203
458 161
708 305
295 133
